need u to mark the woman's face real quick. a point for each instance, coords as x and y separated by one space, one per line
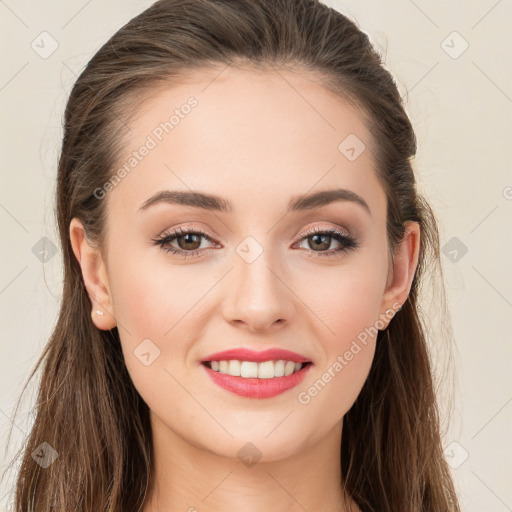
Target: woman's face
257 280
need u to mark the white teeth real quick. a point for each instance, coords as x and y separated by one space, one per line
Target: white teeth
279 368
289 368
234 368
266 370
251 369
248 369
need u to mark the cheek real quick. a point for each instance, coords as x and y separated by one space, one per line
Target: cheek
337 385
151 300
349 351
157 308
353 314
346 301
348 309
151 303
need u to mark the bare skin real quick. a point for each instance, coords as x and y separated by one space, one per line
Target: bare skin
255 141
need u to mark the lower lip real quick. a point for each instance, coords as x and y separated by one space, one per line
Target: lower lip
257 388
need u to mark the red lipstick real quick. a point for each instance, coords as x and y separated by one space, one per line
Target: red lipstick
257 387
245 354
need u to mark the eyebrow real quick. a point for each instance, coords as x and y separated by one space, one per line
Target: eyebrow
217 203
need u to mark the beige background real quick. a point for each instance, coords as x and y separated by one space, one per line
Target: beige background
460 101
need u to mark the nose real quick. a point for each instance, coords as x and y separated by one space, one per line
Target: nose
258 298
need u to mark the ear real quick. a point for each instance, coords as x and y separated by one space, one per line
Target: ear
401 271
94 274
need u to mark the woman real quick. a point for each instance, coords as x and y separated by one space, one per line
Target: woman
279 362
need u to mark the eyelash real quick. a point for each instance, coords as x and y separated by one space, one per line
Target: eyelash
349 243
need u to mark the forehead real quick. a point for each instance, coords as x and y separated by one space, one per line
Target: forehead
244 134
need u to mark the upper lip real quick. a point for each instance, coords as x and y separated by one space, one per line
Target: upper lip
245 354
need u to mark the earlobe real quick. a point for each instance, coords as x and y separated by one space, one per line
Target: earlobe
403 268
94 276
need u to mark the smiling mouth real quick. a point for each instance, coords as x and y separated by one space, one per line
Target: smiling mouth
251 369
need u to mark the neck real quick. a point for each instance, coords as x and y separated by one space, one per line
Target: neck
190 478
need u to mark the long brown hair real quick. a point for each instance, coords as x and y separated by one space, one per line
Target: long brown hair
88 409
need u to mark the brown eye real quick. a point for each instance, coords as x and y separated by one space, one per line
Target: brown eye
188 242
319 240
